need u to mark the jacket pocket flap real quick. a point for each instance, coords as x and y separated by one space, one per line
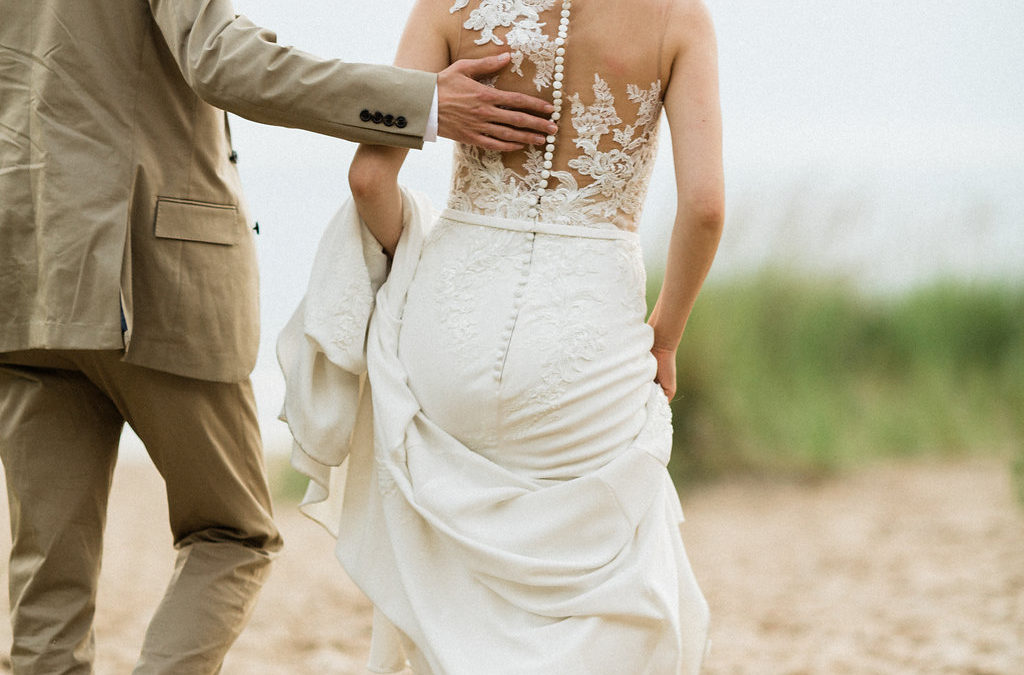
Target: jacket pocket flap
197 221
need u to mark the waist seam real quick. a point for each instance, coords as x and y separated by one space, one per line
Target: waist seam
538 227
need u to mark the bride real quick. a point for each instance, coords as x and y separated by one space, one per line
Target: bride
476 394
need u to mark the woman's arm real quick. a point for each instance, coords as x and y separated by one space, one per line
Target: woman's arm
373 179
694 115
373 174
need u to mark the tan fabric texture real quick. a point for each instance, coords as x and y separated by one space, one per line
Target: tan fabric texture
61 415
117 177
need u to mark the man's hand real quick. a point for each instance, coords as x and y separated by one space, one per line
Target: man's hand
470 112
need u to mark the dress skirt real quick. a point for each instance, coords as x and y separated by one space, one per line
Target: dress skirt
513 514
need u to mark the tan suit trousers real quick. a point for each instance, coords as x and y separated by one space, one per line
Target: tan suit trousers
61 416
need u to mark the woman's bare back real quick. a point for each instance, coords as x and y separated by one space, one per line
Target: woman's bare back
606 77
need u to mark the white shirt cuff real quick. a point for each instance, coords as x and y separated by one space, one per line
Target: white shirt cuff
430 134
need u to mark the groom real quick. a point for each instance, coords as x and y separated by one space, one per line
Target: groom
128 290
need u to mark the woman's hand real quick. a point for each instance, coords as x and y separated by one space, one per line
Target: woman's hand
666 375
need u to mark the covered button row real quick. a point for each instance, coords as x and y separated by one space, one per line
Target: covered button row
518 295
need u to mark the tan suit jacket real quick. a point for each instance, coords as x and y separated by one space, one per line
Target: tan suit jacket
118 187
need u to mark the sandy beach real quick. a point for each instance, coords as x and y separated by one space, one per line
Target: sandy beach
902 568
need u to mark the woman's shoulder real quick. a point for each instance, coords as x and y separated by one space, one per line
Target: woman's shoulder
689 19
688 24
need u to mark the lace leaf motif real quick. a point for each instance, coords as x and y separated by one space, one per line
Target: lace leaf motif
483 184
525 36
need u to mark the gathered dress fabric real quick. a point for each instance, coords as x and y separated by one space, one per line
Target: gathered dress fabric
493 464
482 427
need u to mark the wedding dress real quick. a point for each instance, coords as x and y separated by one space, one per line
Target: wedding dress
481 421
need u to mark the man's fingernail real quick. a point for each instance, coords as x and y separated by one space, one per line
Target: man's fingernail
504 56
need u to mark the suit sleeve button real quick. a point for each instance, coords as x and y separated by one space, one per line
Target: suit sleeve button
365 116
401 122
378 117
389 120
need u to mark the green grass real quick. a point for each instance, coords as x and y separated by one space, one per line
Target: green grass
788 376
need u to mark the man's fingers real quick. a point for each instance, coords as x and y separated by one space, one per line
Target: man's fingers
484 66
496 137
489 143
506 133
518 101
514 118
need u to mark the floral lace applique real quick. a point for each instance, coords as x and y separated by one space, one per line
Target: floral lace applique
338 319
632 278
564 329
481 183
346 314
387 487
617 172
566 322
525 35
480 259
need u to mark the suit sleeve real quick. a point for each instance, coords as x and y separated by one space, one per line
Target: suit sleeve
235 65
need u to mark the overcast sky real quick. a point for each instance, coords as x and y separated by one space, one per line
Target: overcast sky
887 128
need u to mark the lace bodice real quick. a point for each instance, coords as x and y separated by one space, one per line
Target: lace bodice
596 169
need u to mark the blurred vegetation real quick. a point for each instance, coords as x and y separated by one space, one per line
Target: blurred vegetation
286 483
798 377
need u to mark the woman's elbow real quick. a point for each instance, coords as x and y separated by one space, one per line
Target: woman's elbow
365 179
705 210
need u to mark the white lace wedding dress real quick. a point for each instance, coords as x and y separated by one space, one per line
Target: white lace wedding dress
507 507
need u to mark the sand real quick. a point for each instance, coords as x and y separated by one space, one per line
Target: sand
901 568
